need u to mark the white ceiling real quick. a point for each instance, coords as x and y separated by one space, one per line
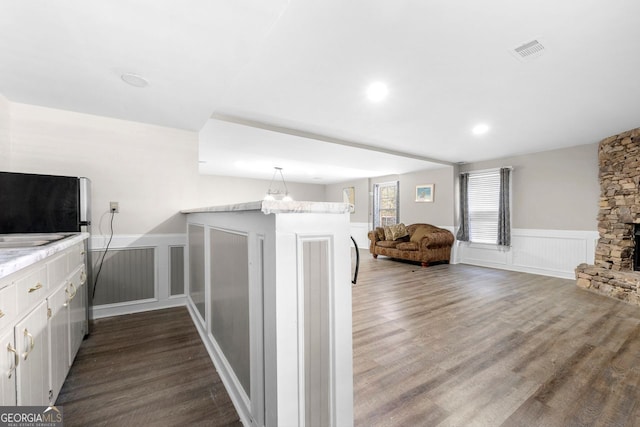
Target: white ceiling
285 81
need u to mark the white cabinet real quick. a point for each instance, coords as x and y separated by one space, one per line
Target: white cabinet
33 344
59 337
77 311
42 324
8 363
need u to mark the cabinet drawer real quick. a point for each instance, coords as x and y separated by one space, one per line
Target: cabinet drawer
31 288
57 269
8 305
77 279
76 256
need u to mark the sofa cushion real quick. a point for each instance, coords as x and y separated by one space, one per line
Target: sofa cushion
407 246
387 243
394 232
380 233
419 233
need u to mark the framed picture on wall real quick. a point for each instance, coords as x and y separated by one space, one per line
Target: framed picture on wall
349 196
424 193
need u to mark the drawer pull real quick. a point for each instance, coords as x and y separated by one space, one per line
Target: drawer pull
16 360
75 291
66 301
35 288
83 278
1 314
32 344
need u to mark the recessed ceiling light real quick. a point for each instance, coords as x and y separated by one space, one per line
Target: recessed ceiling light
134 80
480 129
377 91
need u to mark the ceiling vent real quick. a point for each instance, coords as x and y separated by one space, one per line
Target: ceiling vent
529 50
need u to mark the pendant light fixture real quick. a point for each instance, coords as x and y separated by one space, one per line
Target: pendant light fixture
276 193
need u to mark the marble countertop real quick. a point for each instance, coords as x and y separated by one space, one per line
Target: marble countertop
14 259
277 207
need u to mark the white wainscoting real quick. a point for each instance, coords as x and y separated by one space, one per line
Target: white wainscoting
161 243
547 252
359 231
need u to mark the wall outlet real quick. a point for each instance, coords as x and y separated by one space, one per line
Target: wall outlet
114 207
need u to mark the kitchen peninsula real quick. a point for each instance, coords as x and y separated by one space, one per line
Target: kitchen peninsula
270 294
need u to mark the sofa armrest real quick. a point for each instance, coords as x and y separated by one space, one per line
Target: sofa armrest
437 239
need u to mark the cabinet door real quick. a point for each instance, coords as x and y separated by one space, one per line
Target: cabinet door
33 371
58 338
8 363
77 311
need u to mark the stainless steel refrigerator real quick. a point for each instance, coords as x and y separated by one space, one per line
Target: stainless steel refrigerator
33 203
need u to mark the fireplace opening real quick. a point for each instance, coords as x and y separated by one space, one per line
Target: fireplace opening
636 249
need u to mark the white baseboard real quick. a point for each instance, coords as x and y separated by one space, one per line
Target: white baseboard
109 310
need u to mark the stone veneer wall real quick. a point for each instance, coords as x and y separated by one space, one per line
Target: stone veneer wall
612 274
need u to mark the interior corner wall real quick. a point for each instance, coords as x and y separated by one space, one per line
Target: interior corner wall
216 190
5 134
152 171
552 190
440 212
333 193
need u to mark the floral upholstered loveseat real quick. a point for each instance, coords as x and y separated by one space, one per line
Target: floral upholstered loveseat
423 243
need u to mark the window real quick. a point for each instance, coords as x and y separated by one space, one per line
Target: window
385 204
484 200
485 212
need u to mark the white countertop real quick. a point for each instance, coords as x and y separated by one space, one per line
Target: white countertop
14 259
277 207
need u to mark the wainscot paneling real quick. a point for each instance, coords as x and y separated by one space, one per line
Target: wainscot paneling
359 232
161 245
548 252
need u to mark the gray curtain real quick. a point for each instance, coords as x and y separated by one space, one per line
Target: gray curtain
463 231
504 213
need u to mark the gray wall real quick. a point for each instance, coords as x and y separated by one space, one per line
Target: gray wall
440 212
333 193
552 190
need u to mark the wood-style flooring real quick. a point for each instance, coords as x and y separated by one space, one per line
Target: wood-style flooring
457 345
145 369
447 345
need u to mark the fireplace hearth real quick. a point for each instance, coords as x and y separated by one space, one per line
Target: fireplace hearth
616 270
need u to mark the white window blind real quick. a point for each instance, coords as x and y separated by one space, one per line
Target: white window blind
484 200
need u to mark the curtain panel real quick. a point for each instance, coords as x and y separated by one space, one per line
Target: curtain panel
463 231
504 212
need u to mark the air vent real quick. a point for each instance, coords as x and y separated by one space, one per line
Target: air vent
529 50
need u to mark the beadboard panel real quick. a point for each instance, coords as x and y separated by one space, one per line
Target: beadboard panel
316 289
147 262
125 275
229 300
548 252
176 272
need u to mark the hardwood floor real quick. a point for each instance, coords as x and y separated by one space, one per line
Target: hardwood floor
456 345
447 345
145 369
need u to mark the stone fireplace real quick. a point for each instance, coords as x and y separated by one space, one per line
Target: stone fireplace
616 262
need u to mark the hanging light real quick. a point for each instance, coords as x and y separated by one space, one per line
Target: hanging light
276 193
